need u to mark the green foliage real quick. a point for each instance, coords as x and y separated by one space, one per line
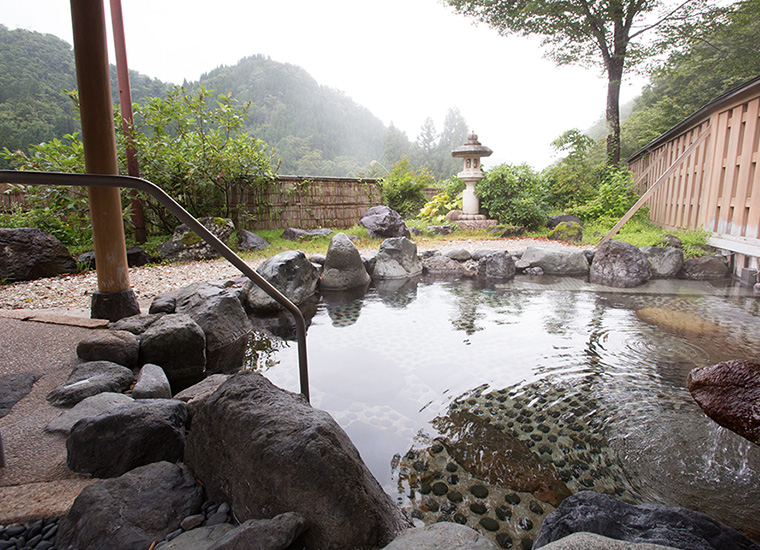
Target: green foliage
402 188
614 197
72 230
571 180
435 209
514 195
722 54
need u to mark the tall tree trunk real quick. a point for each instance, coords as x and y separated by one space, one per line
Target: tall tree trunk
614 79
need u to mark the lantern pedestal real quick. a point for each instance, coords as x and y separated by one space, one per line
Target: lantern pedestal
470 216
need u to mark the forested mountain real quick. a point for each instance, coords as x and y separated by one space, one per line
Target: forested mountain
35 68
315 129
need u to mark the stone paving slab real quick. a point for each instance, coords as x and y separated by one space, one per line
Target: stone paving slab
35 482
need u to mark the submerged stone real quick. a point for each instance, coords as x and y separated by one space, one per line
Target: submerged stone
490 454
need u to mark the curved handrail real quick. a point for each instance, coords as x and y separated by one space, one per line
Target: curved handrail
98 180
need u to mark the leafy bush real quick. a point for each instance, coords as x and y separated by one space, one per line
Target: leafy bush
613 199
435 209
514 195
72 230
402 188
571 180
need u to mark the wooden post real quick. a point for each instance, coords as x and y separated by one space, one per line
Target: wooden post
114 298
127 120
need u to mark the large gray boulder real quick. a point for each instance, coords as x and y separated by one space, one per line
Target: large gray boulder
197 393
397 259
664 262
450 536
498 265
554 221
89 379
178 345
136 324
383 222
219 312
118 346
704 268
619 264
343 267
295 234
571 263
651 523
86 408
132 511
291 273
267 452
28 253
134 434
185 245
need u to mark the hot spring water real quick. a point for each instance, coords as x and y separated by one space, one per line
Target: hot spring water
575 376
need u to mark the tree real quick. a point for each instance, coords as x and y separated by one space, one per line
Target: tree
723 55
453 135
610 33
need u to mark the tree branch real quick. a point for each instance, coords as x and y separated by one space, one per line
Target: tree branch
661 20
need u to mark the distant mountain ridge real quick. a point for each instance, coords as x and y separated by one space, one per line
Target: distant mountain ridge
316 130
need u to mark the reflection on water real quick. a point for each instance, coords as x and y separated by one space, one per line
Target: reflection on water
396 363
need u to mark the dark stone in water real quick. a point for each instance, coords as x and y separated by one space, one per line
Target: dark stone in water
479 491
439 488
425 488
478 508
494 456
503 513
525 524
455 497
535 507
512 498
504 540
489 524
729 393
459 518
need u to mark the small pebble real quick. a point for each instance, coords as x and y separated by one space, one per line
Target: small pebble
425 488
478 508
437 448
525 524
489 524
503 513
453 496
191 522
217 518
459 518
526 544
479 491
439 488
512 498
224 507
174 534
504 540
451 467
453 479
535 507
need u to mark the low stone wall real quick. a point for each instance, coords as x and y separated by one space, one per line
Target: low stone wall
310 202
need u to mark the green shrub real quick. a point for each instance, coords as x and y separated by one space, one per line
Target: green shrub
435 209
571 180
402 189
72 230
613 199
514 195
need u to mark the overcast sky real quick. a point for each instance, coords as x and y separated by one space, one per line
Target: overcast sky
405 60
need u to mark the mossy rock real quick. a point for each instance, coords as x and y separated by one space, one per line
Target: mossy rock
189 239
571 232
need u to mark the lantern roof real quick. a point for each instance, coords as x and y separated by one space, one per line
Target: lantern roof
472 148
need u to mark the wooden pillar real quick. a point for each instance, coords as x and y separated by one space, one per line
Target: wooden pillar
114 298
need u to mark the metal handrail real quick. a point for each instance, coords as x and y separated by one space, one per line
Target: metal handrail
97 180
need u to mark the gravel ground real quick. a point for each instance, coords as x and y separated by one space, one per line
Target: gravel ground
71 294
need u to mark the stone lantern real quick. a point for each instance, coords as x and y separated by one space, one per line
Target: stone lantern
471 152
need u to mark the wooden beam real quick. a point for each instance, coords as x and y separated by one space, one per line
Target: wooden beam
99 139
645 197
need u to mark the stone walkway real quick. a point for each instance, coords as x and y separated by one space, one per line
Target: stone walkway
36 482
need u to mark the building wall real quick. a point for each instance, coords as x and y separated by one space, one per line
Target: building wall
716 186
